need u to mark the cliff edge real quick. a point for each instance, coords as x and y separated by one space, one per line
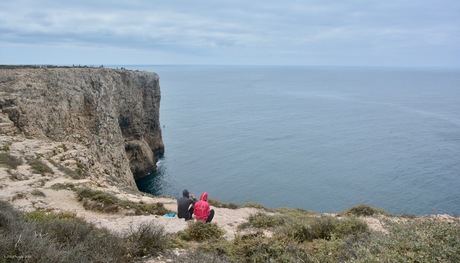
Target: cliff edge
112 114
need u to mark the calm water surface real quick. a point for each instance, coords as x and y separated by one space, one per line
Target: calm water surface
322 139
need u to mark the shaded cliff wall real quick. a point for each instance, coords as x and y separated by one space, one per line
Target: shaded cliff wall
114 113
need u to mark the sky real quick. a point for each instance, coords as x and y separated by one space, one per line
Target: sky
403 33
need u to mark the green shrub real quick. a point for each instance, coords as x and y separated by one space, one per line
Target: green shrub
42 237
253 205
418 240
299 237
41 182
294 213
108 203
364 210
18 196
334 250
217 248
351 226
258 248
48 237
201 231
144 208
148 239
6 147
9 161
219 204
63 147
66 186
98 200
40 167
207 252
323 228
43 216
81 171
16 176
262 220
37 192
8 215
66 170
97 195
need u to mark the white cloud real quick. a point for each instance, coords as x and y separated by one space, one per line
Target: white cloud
251 31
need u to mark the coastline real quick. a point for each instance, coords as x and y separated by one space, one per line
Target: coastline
44 175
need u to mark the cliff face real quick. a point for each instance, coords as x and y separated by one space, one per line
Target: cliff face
113 113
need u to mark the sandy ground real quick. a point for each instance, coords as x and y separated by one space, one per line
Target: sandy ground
21 195
30 191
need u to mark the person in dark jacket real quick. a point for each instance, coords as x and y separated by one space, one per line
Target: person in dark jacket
203 211
185 205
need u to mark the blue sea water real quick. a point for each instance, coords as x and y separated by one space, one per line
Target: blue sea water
318 138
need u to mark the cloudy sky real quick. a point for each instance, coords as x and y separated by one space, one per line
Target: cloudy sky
242 32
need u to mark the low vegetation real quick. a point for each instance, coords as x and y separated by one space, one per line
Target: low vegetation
48 237
219 204
40 167
6 147
364 210
108 203
417 240
63 147
64 186
295 235
279 235
301 236
37 192
200 231
79 173
253 205
9 161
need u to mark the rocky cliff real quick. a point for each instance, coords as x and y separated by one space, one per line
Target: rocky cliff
113 114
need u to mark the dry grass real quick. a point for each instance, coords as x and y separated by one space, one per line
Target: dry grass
108 203
47 237
40 167
9 161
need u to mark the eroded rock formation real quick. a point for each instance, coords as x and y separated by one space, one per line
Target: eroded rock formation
113 113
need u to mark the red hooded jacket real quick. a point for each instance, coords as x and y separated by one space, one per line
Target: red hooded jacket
201 208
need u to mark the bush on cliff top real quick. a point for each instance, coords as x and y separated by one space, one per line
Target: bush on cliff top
200 231
105 202
48 237
40 167
364 210
327 239
9 161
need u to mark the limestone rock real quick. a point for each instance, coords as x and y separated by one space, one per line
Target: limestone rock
113 113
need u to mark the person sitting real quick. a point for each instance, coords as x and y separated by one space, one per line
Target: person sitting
202 210
185 205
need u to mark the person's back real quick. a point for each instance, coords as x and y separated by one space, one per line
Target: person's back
185 206
202 210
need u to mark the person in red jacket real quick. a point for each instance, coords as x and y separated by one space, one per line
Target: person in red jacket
202 210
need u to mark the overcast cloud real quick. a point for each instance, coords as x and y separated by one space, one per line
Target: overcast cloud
261 32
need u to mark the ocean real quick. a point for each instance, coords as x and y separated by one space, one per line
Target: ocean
317 138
